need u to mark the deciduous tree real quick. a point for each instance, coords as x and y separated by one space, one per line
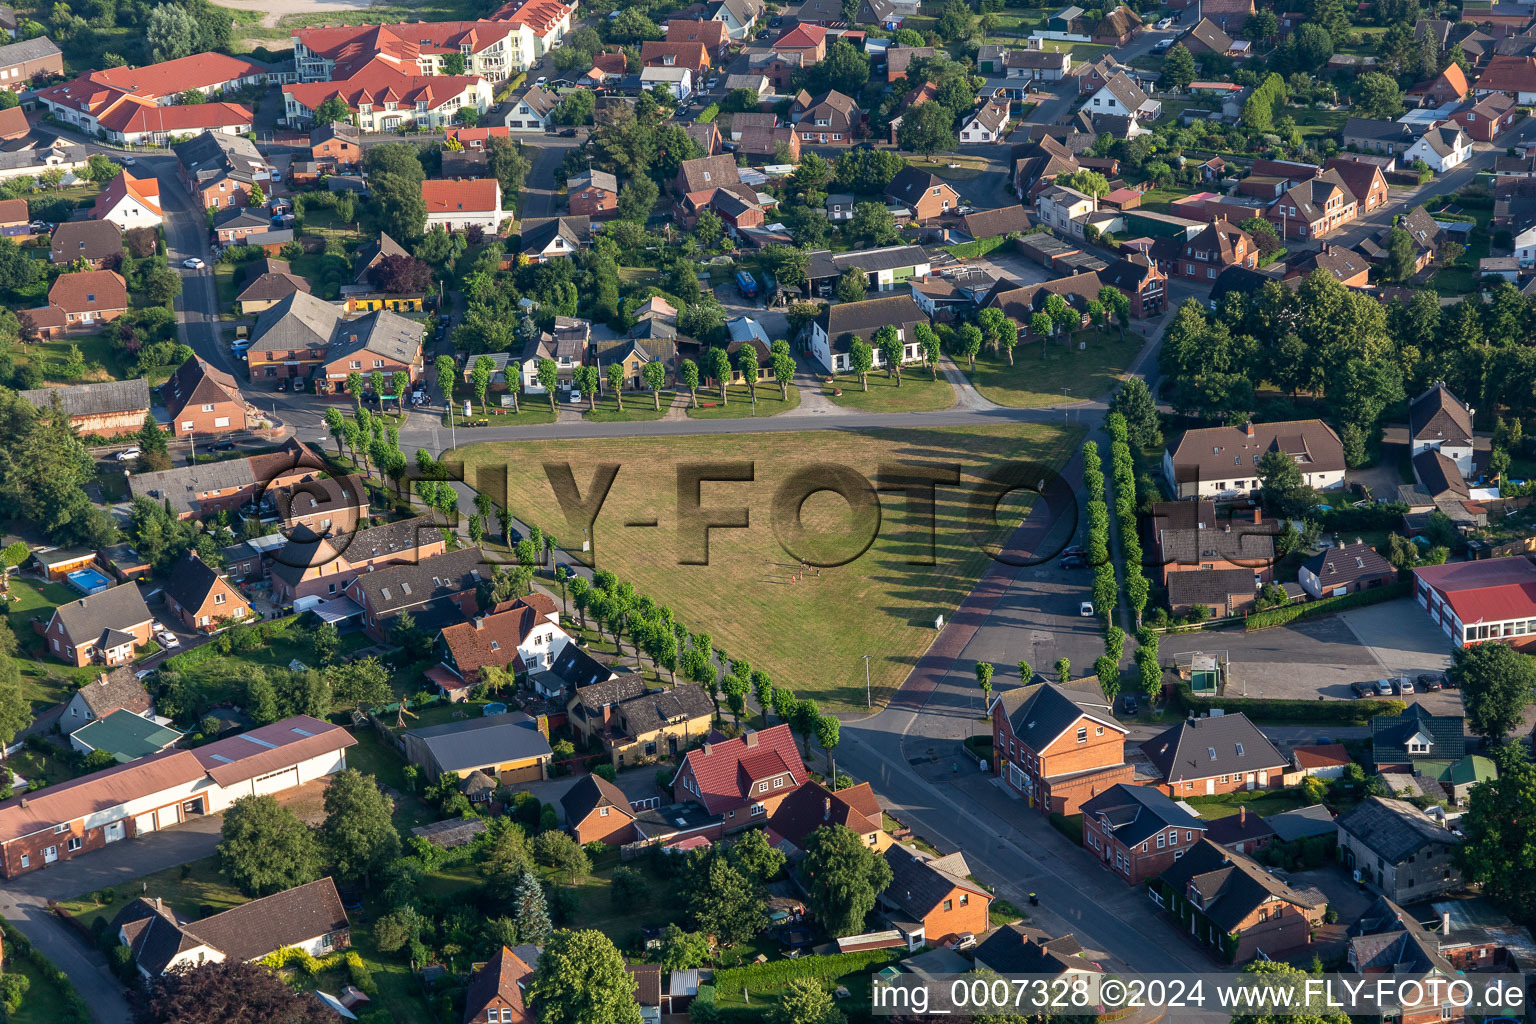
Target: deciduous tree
845 878
264 847
580 978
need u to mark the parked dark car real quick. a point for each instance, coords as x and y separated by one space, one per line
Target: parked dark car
224 446
1430 682
1131 707
1363 689
282 385
1075 549
1073 562
569 133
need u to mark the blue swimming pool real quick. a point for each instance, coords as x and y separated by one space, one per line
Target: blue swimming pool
494 708
88 581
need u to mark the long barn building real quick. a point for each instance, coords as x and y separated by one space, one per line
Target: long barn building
165 789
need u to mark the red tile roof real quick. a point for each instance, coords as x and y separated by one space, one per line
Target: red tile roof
1489 590
492 639
502 976
801 37
475 196
725 772
1327 755
477 138
146 191
13 123
539 15
89 290
14 211
712 34
114 95
379 83
1508 74
132 117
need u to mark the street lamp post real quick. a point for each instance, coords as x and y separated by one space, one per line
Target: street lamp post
868 703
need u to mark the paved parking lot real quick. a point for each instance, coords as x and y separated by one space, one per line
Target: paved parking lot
1321 657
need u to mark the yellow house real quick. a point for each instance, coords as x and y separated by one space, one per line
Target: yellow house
632 725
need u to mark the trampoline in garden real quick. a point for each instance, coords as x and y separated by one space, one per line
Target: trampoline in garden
88 581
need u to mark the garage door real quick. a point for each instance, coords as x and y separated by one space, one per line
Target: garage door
277 781
115 831
144 824
170 815
523 773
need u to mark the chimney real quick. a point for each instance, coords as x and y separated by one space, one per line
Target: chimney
479 621
157 902
102 678
1258 515
826 809
1249 427
1445 923
607 716
750 739
1242 815
708 748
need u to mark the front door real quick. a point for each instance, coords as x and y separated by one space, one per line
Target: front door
1210 786
50 855
1250 780
114 831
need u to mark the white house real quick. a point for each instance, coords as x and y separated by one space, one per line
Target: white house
460 205
1213 462
1036 65
988 124
118 690
530 113
1524 230
739 16
679 81
1124 97
1443 148
840 324
1438 421
1064 209
129 202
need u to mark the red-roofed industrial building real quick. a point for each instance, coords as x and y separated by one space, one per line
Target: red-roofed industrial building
1493 599
744 779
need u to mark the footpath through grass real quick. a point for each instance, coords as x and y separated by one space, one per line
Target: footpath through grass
809 631
1055 372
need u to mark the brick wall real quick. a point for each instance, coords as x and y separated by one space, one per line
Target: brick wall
232 414
616 829
941 926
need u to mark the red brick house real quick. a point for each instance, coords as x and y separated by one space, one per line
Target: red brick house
931 900
497 991
310 565
1141 281
1217 246
1487 119
1138 832
202 400
713 34
1313 208
1235 908
925 195
103 627
809 42
666 54
336 145
1186 537
744 778
831 119
813 805
1219 754
201 598
593 194
1363 179
597 811
81 300
1057 748
436 591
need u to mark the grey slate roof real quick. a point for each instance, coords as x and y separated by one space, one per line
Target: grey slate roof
1390 735
300 321
120 689
592 792
462 746
601 180
382 333
650 711
212 155
96 399
86 619
85 239
1020 949
1208 586
1044 711
1302 822
824 264
919 883
577 668
575 231
27 49
1388 938
843 321
1231 885
398 587
1338 567
190 582
1393 829
1439 475
1199 748
1137 813
1438 415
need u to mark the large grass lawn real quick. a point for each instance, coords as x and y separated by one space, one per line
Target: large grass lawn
1317 122
918 392
740 404
639 406
811 634
1046 375
43 1003
1260 802
101 360
965 167
193 890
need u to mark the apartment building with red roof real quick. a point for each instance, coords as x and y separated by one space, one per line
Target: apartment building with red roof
1473 602
459 205
383 97
491 49
135 105
129 202
745 779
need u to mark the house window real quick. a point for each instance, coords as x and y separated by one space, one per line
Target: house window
778 783
1082 735
218 598
26 861
74 844
1099 731
949 904
602 812
965 899
762 787
1161 840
